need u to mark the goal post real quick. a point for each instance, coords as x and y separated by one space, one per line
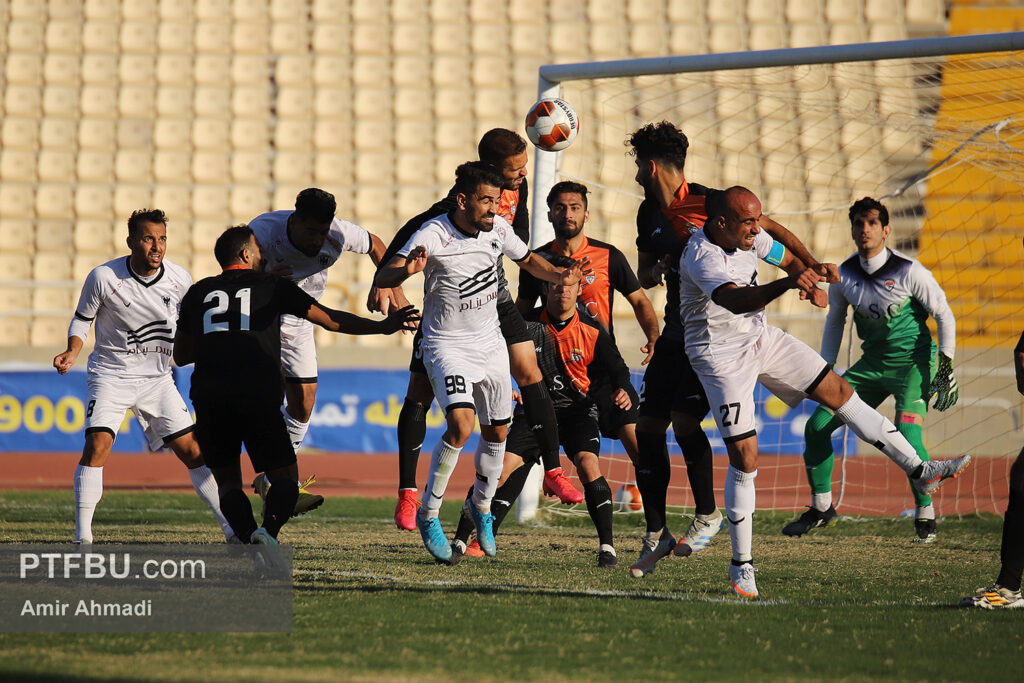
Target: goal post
933 127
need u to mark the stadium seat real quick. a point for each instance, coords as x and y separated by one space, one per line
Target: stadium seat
804 11
171 134
250 134
144 10
49 331
647 39
246 10
93 200
295 70
204 234
64 36
23 100
250 38
727 38
886 31
98 101
848 33
293 167
248 201
409 39
285 193
204 265
95 166
612 12
209 201
48 266
293 135
212 102
214 10
332 169
62 69
411 72
25 36
53 200
212 69
819 133
330 71
92 235
413 199
721 12
17 235
137 101
135 133
18 164
24 69
373 72
174 200
19 133
331 39
528 41
213 39
211 134
857 136
766 11
56 133
15 300
137 69
737 170
175 37
210 167
332 103
926 12
807 35
411 135
373 203
56 166
372 104
373 39
109 10
768 36
295 103
250 166
14 330
608 40
373 168
99 69
413 103
14 267
174 102
778 135
100 37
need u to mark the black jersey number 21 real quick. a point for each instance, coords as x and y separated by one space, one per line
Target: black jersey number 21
227 312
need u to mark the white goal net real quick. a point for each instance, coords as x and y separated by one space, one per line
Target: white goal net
940 140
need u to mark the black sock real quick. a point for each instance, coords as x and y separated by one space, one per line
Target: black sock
238 511
280 504
599 504
1011 553
466 526
699 469
652 476
540 413
412 428
508 492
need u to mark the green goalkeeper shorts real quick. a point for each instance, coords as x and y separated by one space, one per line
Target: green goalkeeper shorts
907 383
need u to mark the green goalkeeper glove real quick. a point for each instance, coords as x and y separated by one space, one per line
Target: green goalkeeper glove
944 386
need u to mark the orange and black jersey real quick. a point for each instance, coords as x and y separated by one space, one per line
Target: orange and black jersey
512 208
235 321
611 273
664 232
574 355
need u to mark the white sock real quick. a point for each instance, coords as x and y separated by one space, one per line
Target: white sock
926 512
876 429
88 491
605 548
206 488
489 458
821 501
442 464
740 499
296 430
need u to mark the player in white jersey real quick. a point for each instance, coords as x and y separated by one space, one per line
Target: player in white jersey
732 347
301 245
134 302
463 349
892 296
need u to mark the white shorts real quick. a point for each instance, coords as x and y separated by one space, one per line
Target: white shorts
159 407
298 350
475 376
785 366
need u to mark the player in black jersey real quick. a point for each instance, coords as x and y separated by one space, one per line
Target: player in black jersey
230 326
576 355
505 150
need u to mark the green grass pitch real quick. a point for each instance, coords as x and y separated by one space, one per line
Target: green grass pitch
855 602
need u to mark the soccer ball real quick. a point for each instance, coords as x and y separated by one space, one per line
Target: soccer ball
627 498
552 124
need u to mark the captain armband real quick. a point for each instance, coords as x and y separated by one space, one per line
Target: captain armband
776 254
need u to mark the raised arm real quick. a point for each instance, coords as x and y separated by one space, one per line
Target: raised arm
401 268
648 319
383 299
650 269
741 300
349 323
540 268
793 245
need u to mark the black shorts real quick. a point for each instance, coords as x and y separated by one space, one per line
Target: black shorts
577 431
670 385
610 417
223 426
513 329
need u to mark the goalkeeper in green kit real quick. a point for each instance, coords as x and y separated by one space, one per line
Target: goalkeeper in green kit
892 296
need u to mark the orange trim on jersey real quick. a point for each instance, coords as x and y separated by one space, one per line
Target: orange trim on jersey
508 205
576 343
687 212
596 294
237 266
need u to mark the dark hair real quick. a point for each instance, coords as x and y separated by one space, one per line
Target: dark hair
141 216
558 260
472 174
499 144
315 204
659 142
567 187
231 243
866 204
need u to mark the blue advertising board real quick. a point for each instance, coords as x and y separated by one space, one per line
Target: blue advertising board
356 412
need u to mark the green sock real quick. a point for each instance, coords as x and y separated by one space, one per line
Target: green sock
912 432
818 457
